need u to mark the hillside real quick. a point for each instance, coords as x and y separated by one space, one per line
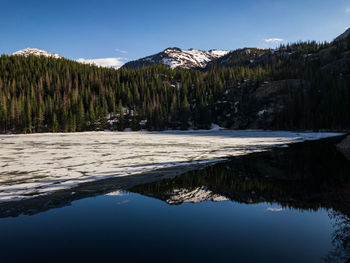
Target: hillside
299 86
239 57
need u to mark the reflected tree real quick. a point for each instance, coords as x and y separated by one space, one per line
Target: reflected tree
340 238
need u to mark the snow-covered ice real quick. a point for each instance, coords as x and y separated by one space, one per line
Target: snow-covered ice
37 164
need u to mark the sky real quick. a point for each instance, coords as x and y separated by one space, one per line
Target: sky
112 32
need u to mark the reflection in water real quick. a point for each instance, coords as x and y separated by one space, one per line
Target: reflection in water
340 238
306 176
133 228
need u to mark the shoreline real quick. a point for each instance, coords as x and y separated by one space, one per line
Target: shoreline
345 131
64 197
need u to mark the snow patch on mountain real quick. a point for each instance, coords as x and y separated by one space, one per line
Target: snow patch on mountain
218 53
36 52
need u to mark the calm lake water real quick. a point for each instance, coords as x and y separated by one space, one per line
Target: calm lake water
287 205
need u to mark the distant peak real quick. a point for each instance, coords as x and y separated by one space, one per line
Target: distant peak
175 57
36 52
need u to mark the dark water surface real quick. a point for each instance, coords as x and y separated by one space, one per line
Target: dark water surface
287 205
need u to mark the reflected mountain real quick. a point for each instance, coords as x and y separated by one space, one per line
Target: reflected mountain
306 176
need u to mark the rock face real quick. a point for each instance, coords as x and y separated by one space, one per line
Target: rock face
344 147
177 58
36 52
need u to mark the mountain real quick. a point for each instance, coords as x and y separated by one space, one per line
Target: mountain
303 78
36 52
178 58
239 57
297 53
300 86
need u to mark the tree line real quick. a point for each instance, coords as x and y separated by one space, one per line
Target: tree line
43 94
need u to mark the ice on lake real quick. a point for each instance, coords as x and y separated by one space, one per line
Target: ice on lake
36 164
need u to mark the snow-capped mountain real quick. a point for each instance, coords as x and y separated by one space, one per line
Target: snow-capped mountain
178 58
36 52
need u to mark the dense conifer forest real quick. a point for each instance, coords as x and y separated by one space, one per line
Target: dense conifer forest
300 86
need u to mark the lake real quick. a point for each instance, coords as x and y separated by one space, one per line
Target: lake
288 204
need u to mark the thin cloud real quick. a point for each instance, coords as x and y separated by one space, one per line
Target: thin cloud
271 40
120 51
104 62
347 10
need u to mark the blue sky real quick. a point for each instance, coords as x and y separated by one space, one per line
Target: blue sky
130 29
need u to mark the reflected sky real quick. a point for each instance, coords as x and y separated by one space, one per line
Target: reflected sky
132 227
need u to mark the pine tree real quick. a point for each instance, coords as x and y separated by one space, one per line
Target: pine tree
54 123
120 114
40 120
184 113
81 117
135 126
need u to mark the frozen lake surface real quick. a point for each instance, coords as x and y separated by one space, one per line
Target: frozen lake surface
37 164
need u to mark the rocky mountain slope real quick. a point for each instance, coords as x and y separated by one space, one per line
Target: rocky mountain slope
302 73
239 57
178 58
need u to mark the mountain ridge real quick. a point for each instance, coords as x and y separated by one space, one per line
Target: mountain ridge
299 86
175 57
